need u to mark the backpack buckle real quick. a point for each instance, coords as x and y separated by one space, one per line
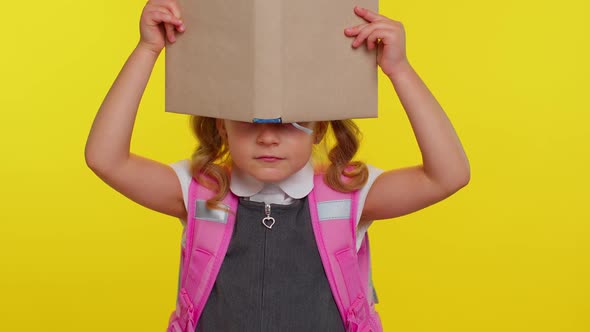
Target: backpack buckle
358 316
186 310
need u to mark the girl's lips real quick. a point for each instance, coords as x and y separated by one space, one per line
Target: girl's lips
269 158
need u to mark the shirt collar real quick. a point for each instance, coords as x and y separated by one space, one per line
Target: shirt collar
295 186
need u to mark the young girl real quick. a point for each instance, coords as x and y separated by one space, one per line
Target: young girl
275 275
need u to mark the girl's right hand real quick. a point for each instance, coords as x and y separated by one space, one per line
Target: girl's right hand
159 19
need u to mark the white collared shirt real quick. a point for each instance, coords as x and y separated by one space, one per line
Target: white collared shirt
296 186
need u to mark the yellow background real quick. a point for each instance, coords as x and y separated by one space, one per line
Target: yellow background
509 252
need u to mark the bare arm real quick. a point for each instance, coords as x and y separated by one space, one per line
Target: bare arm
107 151
445 167
147 182
110 136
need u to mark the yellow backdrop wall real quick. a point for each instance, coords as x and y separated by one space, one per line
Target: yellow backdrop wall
509 252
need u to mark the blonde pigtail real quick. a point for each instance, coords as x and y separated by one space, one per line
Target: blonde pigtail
210 161
347 136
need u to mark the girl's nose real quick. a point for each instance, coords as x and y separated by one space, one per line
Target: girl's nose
268 134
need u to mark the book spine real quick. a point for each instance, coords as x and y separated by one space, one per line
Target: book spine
268 76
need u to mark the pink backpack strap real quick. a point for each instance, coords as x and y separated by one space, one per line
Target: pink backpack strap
208 235
333 217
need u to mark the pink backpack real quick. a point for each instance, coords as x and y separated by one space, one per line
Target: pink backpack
333 214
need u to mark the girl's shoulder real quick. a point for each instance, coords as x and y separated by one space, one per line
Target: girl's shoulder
182 169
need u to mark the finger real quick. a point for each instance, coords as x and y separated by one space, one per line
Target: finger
362 35
353 31
170 24
162 15
171 5
367 30
367 14
372 38
170 32
174 8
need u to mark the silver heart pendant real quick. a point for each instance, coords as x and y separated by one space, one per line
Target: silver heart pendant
270 220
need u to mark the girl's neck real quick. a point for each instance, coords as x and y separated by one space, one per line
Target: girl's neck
296 186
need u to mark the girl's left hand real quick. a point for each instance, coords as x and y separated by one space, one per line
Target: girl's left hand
391 49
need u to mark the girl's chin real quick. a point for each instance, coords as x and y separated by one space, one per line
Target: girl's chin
270 175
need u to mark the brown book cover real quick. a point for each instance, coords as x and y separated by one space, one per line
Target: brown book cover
276 61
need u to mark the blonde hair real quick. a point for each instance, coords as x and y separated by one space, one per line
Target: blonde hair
211 161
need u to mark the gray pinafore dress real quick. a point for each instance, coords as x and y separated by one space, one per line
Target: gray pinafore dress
271 279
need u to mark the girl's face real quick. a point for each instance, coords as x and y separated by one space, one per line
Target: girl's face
268 152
